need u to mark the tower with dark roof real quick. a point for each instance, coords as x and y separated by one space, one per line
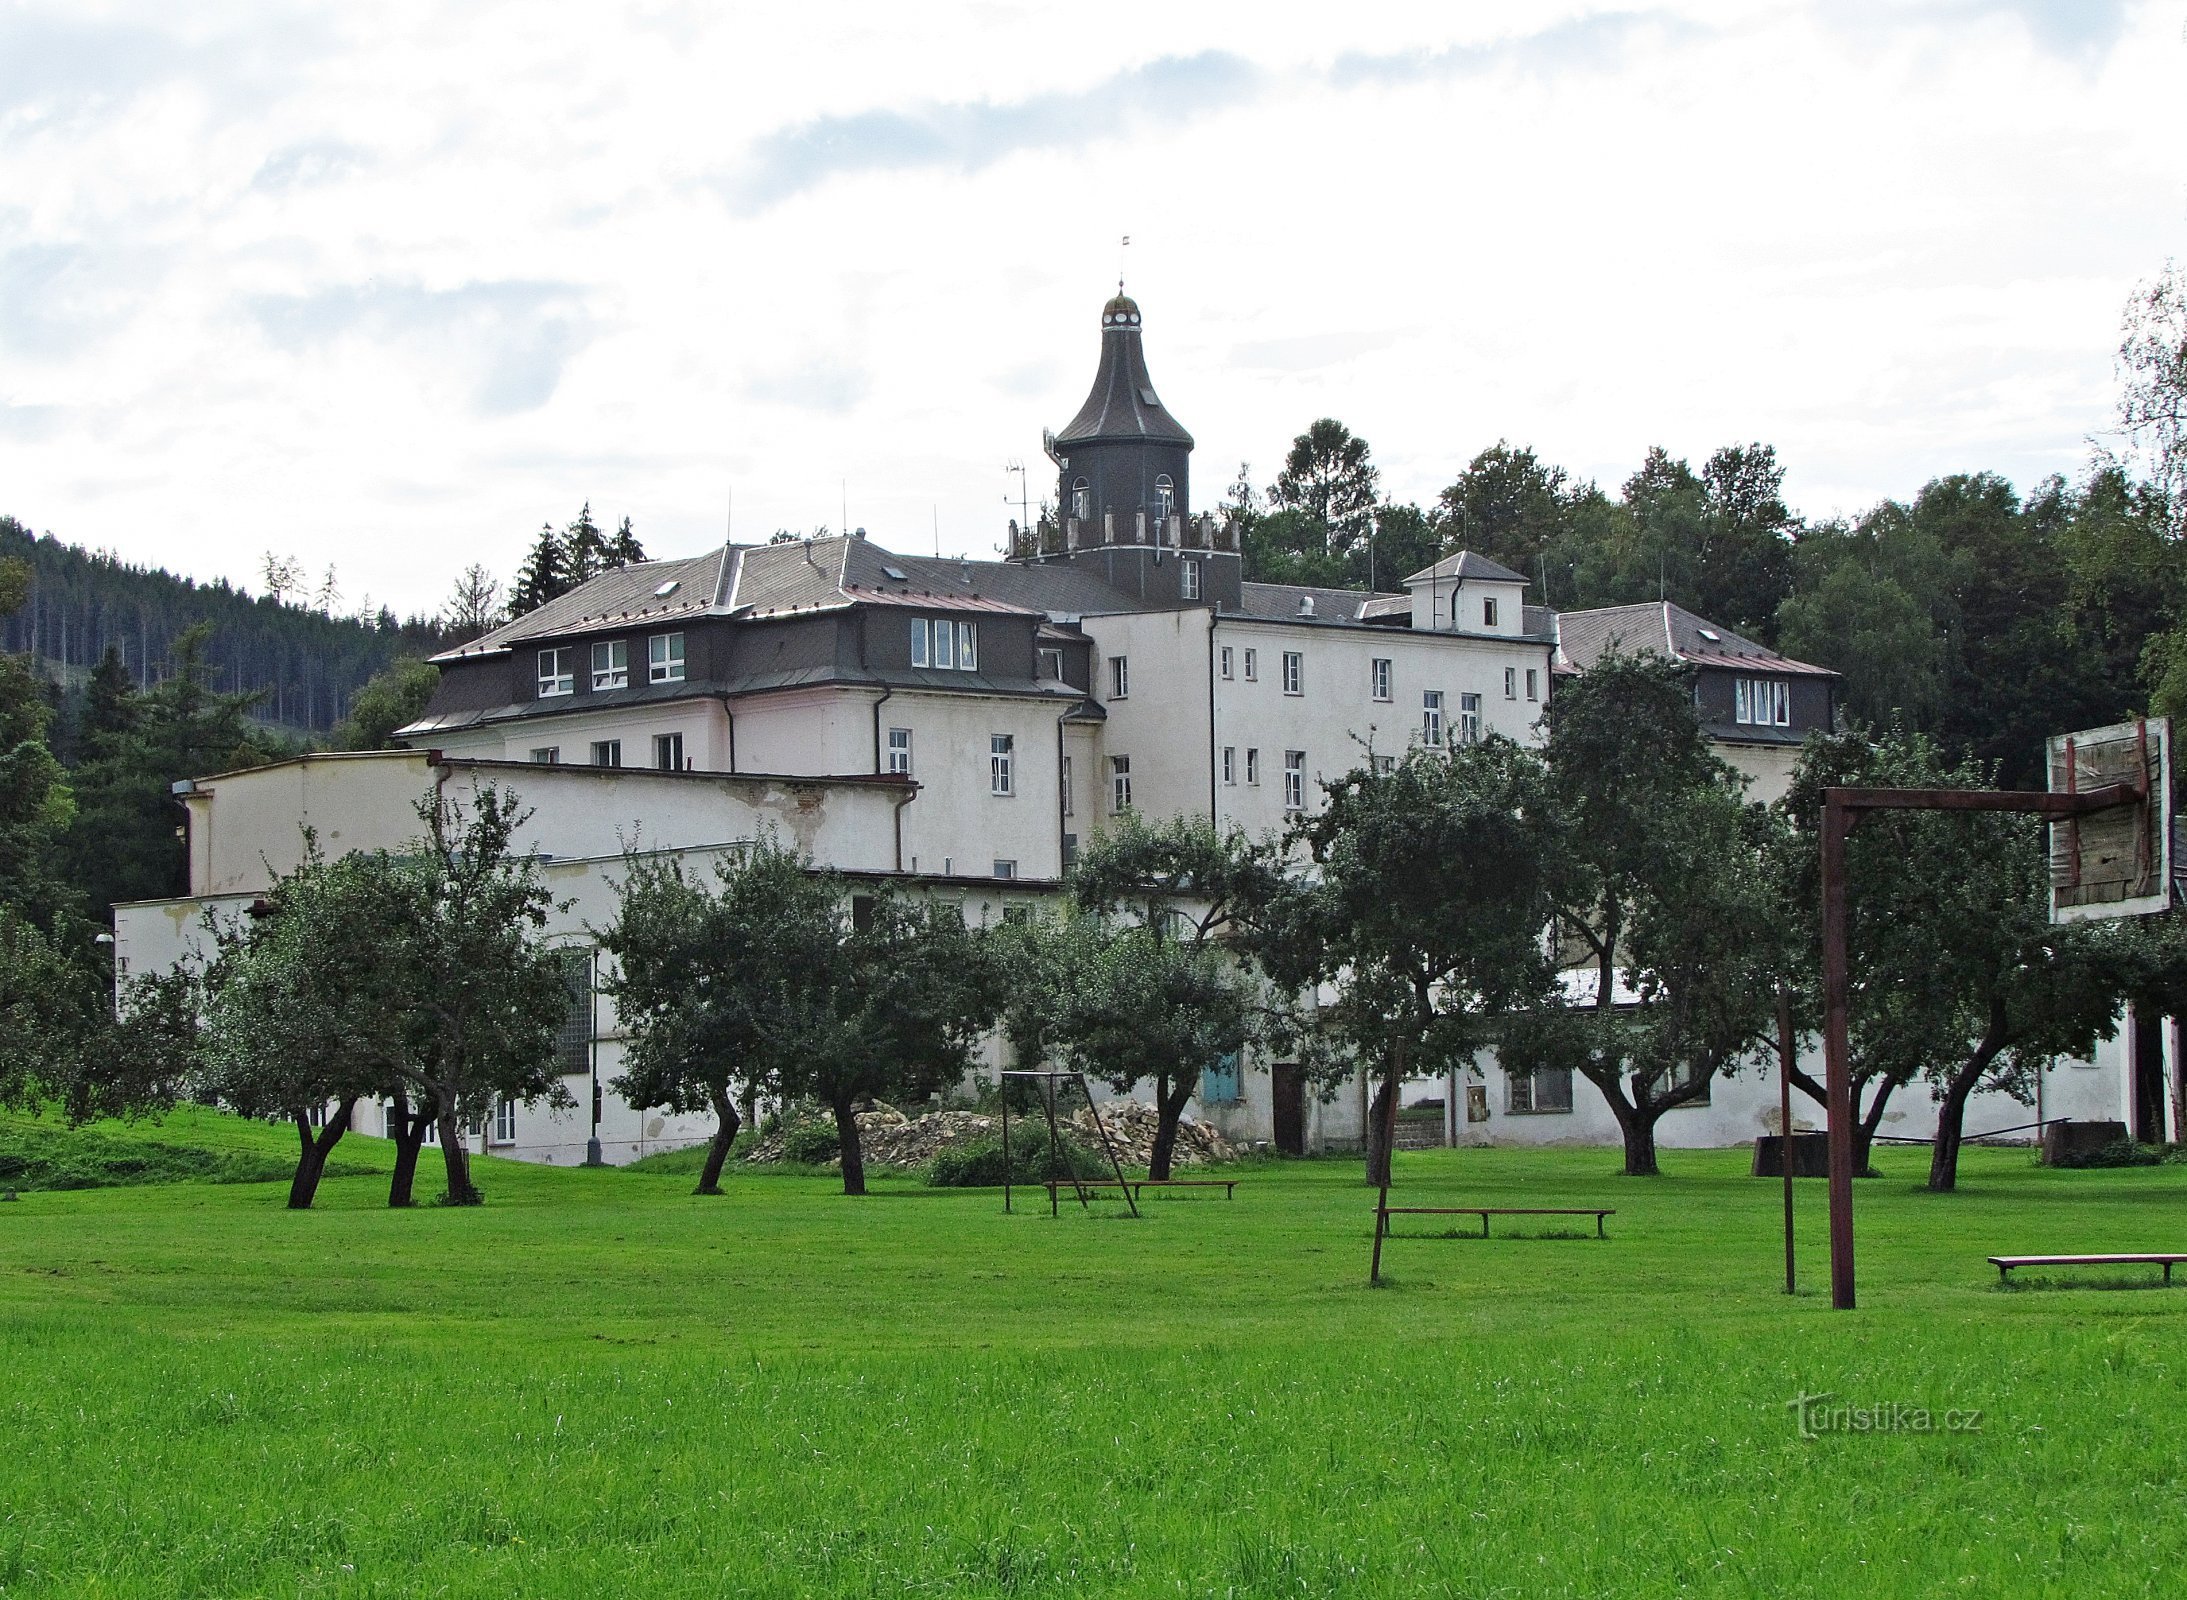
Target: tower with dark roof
1123 464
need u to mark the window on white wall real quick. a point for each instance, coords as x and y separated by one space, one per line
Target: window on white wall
1294 672
1223 660
1488 611
1511 683
1070 806
503 1129
1001 759
1379 676
611 664
668 751
1006 869
1252 766
1120 782
899 751
1119 677
1431 718
1252 665
1545 1089
1469 719
1533 687
557 672
1230 763
546 755
664 658
607 752
1294 780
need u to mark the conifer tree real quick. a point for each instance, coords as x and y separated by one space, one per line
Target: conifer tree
544 576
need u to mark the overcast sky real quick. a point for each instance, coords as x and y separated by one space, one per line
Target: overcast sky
385 286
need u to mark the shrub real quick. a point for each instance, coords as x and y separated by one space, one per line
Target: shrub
811 1144
2118 1153
1033 1160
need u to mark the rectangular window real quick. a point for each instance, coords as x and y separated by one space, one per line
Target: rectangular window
1384 766
557 673
1252 765
1069 805
1006 869
1119 677
573 1039
668 751
611 664
968 647
1051 664
1431 718
899 751
664 657
1294 672
1252 665
1188 580
1762 702
1545 1089
1380 675
1120 782
1294 780
1223 658
546 755
1469 719
1511 683
1219 1084
945 646
1488 611
607 752
1230 763
503 1128
1532 684
918 642
1001 752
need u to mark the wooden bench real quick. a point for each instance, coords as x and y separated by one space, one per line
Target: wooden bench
2005 1264
1229 1186
1384 1213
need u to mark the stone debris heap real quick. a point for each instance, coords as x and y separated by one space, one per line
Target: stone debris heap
889 1138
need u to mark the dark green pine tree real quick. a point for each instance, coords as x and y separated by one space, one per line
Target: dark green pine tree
587 547
544 576
110 707
624 550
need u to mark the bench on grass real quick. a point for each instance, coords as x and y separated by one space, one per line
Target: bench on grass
1384 1213
1229 1186
2005 1264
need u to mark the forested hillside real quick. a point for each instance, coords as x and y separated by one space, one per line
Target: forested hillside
304 663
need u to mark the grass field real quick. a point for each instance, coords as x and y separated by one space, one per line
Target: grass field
598 1384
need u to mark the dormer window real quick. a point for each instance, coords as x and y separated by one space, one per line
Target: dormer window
611 664
557 672
1488 611
664 658
1165 497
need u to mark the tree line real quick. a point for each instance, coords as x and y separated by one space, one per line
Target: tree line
1607 904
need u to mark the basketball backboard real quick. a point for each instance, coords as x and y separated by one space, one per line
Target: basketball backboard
2118 862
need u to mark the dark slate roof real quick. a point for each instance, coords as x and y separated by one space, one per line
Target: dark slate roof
1463 564
1667 630
616 599
1279 602
1123 404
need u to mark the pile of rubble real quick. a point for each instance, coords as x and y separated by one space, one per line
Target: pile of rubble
891 1139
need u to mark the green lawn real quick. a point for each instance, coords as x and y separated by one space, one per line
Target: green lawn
598 1384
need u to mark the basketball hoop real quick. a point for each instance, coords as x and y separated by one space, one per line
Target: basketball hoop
2115 863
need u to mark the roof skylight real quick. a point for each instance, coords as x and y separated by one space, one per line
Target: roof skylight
667 589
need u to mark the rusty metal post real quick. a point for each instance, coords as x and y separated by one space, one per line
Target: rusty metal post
1786 1055
1116 1163
1837 826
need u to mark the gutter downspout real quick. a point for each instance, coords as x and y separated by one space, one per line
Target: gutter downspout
1212 776
728 711
1063 793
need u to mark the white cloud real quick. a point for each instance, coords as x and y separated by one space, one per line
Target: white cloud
386 286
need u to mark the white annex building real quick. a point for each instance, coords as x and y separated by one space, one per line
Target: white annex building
959 726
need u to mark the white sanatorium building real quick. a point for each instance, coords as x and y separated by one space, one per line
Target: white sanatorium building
960 725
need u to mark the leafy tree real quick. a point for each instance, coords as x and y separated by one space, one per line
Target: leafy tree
486 995
892 1001
704 981
294 1020
1405 540
2153 384
1878 635
44 1014
1328 479
1957 975
1744 567
1512 507
395 697
1422 918
1656 887
1162 999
